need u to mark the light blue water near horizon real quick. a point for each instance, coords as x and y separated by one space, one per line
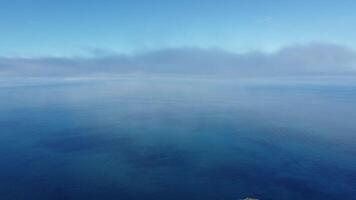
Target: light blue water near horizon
177 138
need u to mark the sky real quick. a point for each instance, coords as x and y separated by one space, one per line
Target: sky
69 27
61 29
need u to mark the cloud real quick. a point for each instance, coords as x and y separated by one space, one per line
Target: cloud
296 60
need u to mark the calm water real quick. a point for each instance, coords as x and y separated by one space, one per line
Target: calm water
173 139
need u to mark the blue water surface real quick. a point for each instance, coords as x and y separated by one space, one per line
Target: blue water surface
152 138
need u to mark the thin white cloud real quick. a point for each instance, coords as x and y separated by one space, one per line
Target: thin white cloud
303 60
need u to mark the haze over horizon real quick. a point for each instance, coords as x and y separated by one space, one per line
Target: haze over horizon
298 60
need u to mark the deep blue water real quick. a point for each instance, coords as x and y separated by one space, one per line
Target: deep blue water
173 139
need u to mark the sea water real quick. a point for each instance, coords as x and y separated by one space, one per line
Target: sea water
151 138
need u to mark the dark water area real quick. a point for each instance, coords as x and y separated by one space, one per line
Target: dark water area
177 138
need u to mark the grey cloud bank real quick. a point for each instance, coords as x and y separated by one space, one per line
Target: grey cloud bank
297 60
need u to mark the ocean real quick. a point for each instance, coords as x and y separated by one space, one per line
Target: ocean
175 138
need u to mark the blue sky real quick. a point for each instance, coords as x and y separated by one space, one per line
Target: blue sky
74 27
